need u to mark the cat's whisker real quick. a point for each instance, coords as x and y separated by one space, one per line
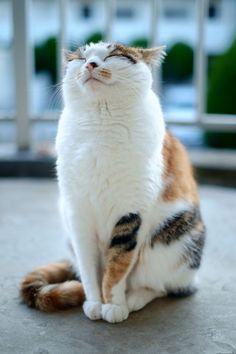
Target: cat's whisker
56 98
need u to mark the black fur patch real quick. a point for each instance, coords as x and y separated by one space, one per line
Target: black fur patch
194 249
172 229
182 292
185 222
129 218
125 232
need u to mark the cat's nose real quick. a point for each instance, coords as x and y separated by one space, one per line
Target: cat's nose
90 66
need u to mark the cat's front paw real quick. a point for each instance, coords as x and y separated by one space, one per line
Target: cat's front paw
114 313
93 310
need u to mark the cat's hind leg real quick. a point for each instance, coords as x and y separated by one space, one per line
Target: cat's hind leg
137 299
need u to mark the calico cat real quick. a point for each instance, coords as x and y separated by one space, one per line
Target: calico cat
127 192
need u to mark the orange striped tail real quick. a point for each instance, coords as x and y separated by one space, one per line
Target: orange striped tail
52 287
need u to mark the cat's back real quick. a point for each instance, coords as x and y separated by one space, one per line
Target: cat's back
178 172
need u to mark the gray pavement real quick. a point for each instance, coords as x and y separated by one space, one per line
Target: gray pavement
31 235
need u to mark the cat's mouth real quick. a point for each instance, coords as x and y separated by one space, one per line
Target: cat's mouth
91 79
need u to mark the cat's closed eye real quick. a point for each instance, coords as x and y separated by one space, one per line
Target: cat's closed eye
123 56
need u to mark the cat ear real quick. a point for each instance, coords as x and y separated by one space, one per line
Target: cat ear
153 55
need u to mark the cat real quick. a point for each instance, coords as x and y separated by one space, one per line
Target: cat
128 197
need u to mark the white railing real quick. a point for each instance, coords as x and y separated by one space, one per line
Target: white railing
23 62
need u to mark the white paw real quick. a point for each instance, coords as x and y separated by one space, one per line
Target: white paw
93 309
114 313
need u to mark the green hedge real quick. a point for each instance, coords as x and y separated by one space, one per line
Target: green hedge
45 56
178 64
95 37
221 96
221 90
139 43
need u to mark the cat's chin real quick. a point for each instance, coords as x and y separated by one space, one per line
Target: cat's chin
95 87
93 82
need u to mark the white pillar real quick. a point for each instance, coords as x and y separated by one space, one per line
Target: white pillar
110 12
22 64
154 40
200 59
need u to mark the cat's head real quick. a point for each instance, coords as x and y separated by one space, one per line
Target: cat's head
104 70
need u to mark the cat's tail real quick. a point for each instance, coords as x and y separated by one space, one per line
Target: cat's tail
52 287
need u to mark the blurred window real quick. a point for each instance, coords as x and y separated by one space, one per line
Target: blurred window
86 11
214 9
175 12
124 12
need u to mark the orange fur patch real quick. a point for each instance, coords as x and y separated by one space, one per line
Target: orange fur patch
69 56
124 229
149 56
105 73
118 263
123 50
178 173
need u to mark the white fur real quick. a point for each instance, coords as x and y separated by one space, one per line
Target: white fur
93 309
109 164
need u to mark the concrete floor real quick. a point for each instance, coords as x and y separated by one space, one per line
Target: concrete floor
31 235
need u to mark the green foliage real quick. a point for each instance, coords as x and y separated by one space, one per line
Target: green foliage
221 140
139 43
221 92
95 37
46 57
178 65
221 97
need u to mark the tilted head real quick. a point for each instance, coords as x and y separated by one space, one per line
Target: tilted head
105 70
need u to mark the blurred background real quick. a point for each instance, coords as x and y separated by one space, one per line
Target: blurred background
195 84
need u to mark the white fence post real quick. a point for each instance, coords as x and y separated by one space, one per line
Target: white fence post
62 39
22 65
154 40
110 11
200 60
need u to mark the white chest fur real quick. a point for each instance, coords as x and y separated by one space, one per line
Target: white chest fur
110 158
